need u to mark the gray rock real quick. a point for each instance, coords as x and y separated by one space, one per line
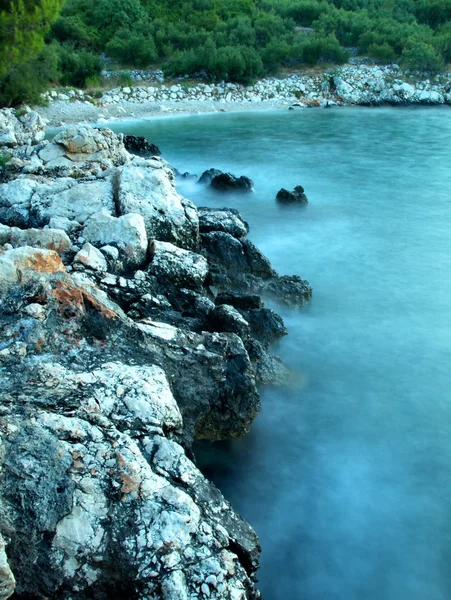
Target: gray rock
228 220
126 233
181 267
20 265
51 239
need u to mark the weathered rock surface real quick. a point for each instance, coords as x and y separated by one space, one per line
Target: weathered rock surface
147 188
23 130
126 233
228 220
115 355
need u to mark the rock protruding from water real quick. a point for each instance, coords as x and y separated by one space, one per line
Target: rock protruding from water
226 182
141 146
297 196
208 175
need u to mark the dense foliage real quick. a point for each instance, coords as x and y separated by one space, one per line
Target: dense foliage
237 40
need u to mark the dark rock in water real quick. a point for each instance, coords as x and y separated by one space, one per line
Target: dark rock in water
140 146
296 196
186 175
226 182
265 324
293 290
208 175
222 219
259 264
240 301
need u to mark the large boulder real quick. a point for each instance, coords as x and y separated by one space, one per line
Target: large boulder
147 188
226 182
72 199
126 233
50 239
85 144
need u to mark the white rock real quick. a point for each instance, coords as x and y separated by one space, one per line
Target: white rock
181 267
127 233
92 258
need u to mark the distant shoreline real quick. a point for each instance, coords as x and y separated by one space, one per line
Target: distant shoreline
344 86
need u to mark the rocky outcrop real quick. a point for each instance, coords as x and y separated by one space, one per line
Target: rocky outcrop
297 196
208 175
226 182
125 334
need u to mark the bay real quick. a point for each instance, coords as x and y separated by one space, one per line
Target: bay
346 474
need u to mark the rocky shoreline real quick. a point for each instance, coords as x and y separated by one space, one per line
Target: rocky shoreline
350 85
131 324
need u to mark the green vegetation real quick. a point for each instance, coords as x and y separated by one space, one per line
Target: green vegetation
235 40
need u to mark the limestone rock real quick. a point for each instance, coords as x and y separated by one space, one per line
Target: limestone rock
15 201
73 200
150 192
26 129
19 265
126 233
51 239
92 258
87 144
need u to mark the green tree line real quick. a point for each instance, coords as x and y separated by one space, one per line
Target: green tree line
233 40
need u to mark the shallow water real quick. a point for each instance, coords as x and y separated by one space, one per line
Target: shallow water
346 476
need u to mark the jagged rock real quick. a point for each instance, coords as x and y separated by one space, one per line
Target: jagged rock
126 233
148 189
259 264
141 146
240 301
181 267
208 175
226 182
26 129
92 258
222 219
296 196
227 319
19 265
289 289
265 324
107 503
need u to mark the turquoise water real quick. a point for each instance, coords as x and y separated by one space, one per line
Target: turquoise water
346 475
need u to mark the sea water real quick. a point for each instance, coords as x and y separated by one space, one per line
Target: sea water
346 474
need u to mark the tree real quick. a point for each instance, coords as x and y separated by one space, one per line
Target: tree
23 25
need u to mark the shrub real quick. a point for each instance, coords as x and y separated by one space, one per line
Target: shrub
422 57
78 66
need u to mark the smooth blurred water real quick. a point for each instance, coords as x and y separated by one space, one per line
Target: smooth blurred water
346 476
